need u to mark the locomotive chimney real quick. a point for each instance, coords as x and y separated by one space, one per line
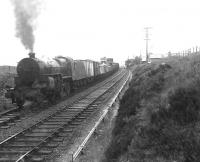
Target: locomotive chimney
31 55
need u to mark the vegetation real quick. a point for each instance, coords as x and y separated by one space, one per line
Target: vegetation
7 74
158 118
130 62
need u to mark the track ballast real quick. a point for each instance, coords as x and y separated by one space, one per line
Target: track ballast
39 140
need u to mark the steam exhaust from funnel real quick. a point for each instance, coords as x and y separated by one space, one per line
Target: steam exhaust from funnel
26 12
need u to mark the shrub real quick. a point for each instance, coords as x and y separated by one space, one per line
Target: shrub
149 80
172 131
185 104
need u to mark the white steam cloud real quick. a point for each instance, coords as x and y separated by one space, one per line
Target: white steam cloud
26 12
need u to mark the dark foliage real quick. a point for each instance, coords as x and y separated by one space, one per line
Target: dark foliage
173 131
145 83
185 105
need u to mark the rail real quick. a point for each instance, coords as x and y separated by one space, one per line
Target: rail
82 145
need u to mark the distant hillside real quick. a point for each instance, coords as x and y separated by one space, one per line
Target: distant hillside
7 69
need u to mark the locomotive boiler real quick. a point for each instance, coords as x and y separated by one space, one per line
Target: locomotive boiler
39 80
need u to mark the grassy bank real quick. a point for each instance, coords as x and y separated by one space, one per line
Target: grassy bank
158 118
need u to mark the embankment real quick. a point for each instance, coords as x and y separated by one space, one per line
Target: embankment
158 117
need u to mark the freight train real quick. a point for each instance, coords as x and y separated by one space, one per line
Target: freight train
37 80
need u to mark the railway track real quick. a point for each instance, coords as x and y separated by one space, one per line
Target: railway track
10 117
38 141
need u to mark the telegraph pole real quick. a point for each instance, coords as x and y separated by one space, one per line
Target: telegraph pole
147 39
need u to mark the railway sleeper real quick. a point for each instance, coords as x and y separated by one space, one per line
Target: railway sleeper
67 130
44 151
79 120
86 101
9 152
81 117
70 111
94 105
28 139
80 105
12 114
9 118
55 122
97 103
91 108
51 144
75 123
71 126
36 158
64 134
74 108
4 119
18 148
9 159
67 115
11 123
22 144
86 114
63 117
57 139
4 127
48 126
41 130
88 111
37 134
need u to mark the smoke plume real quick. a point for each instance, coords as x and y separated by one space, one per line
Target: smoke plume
26 12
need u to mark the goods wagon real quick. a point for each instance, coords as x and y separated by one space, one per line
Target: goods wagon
102 68
89 67
78 70
109 61
96 68
106 68
115 66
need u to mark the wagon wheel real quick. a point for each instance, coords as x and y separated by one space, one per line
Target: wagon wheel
67 89
62 91
53 97
20 102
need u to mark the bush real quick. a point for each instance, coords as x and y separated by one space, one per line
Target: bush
184 105
158 118
148 82
173 128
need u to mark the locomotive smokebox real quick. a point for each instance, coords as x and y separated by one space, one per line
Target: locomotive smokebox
28 69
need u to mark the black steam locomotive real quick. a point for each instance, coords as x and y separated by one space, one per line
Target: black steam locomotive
37 80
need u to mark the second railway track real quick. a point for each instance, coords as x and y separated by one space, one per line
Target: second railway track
9 117
39 140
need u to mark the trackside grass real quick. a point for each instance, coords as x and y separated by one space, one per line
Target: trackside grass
158 118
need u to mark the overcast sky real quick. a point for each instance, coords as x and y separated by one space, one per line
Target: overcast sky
90 29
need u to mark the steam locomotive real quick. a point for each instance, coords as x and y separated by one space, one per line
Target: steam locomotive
38 80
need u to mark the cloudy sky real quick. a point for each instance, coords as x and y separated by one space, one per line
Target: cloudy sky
90 29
